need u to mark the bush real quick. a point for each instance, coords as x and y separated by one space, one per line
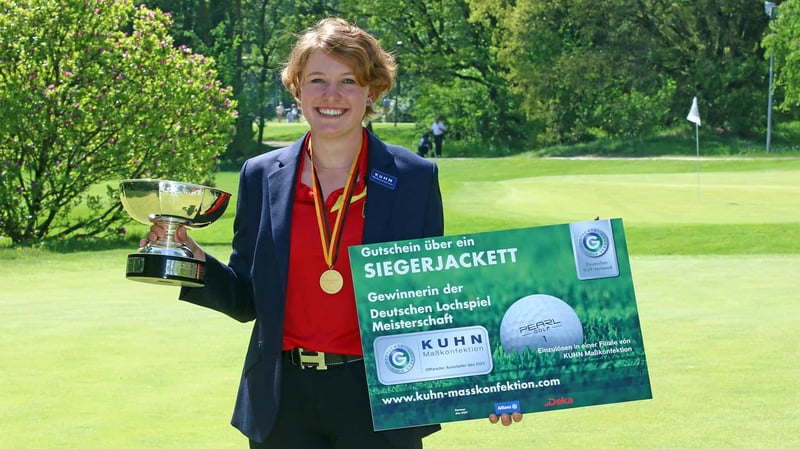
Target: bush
94 91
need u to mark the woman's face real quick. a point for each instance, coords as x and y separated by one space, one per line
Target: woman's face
333 101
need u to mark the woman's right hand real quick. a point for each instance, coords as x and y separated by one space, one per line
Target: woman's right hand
181 236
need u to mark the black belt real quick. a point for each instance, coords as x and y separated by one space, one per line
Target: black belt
307 359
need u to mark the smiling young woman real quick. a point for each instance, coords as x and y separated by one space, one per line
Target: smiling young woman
299 208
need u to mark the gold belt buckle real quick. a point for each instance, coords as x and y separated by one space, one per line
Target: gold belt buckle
312 359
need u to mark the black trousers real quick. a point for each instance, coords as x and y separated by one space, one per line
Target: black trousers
327 410
437 143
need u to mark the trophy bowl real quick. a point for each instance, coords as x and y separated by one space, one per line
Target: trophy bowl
170 204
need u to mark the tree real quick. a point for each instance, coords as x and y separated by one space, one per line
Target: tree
447 63
448 67
92 91
581 71
248 39
712 49
270 27
512 73
782 42
630 66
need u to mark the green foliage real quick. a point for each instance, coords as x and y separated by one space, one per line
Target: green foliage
448 67
92 92
505 74
782 42
619 70
472 117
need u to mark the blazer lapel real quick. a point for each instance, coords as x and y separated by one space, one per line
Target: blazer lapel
281 186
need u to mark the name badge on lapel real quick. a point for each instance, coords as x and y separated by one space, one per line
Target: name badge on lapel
388 181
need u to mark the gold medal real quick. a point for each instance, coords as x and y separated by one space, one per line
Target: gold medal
331 281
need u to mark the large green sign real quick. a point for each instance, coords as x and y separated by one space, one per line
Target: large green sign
527 320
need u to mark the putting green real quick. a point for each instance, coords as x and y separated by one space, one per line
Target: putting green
641 199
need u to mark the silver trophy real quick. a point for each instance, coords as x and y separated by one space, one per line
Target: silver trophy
170 204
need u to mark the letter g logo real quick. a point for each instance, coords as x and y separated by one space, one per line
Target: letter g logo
399 358
594 242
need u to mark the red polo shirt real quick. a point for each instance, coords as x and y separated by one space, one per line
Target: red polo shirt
316 320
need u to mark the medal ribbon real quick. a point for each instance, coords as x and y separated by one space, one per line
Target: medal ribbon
330 239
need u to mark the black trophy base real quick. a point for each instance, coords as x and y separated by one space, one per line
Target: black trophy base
166 270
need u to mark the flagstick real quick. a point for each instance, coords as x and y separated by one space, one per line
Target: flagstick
694 117
697 139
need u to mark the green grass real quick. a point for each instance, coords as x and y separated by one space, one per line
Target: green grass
406 134
90 360
669 207
720 375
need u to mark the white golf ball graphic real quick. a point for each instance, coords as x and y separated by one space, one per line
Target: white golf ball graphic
539 321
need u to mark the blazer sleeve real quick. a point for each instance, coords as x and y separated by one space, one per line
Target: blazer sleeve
228 288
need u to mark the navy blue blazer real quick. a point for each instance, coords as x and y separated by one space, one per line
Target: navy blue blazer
403 202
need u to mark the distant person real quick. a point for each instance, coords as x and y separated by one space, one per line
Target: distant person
424 144
292 113
387 103
279 111
295 113
438 129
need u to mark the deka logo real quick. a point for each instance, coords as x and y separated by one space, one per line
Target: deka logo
553 402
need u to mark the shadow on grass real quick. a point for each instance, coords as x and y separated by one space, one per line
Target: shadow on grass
86 244
129 242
